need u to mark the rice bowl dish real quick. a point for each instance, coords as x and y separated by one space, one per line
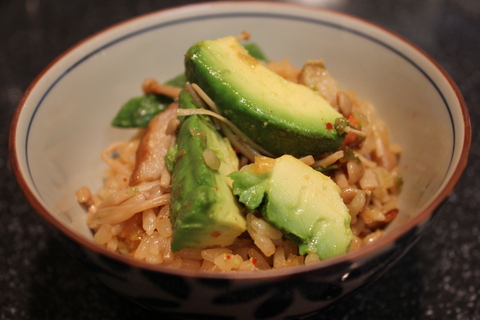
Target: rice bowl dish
130 215
61 141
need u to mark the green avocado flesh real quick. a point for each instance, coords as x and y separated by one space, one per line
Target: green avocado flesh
203 210
281 116
301 202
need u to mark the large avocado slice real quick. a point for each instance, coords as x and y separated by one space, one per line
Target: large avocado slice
298 200
203 210
281 116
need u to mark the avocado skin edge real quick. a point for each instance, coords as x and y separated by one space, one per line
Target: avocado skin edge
278 136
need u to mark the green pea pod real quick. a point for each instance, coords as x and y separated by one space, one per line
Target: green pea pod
255 51
138 111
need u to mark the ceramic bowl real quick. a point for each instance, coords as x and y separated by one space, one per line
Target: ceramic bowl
63 122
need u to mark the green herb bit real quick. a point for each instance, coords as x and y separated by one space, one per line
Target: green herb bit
327 168
340 124
349 154
133 190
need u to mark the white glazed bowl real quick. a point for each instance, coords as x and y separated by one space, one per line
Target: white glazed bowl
62 123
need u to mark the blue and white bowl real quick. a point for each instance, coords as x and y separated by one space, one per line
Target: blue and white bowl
62 123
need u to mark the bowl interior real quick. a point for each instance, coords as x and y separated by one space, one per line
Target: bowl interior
64 121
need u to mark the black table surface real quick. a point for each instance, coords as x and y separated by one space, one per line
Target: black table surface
438 279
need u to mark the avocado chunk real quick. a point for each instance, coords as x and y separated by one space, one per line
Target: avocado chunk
203 210
281 116
298 200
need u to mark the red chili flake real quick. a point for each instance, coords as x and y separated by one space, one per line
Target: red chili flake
124 179
329 126
254 261
353 121
228 257
216 234
349 138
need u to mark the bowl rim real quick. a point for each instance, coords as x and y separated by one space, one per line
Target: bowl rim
364 252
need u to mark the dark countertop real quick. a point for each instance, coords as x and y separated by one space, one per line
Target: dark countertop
438 279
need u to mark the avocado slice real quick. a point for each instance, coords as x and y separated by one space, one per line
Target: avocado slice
298 200
203 210
281 116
